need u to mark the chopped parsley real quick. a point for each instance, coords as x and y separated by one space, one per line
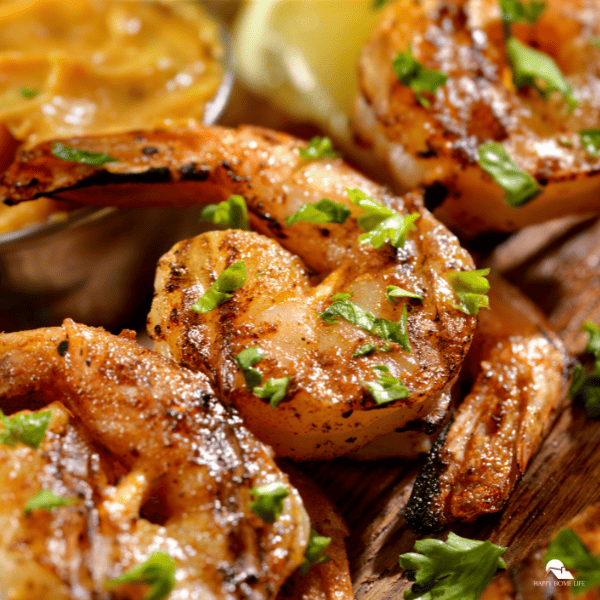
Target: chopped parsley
28 429
584 386
515 10
369 348
230 280
594 41
387 388
570 550
158 572
84 157
354 314
458 569
393 291
471 288
318 147
323 211
246 359
269 501
47 500
28 92
531 66
274 390
412 73
519 186
315 552
590 140
231 214
381 223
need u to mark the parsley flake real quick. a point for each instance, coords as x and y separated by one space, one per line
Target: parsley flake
570 550
274 390
246 359
515 10
323 211
471 288
367 349
387 388
231 214
269 501
85 157
412 73
530 66
29 429
315 552
584 386
47 500
358 316
381 223
230 280
458 569
393 291
318 147
594 41
28 92
590 140
520 187
158 572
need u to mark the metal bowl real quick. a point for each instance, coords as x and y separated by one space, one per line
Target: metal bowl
97 265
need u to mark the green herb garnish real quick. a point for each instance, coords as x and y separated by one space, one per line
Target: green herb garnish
570 551
584 386
230 280
28 429
318 147
269 501
369 348
458 569
412 73
387 388
158 572
519 186
515 10
47 500
323 211
274 390
590 140
594 40
231 214
381 223
315 552
393 291
246 359
471 288
28 92
382 328
84 157
531 66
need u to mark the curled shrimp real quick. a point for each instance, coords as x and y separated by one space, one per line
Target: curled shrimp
154 463
328 410
437 144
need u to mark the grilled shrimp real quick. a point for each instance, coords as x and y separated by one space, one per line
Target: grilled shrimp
521 371
155 465
437 145
327 411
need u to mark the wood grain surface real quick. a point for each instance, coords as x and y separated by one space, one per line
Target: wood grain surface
558 266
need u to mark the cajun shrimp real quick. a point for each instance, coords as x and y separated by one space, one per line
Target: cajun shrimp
327 410
436 143
154 464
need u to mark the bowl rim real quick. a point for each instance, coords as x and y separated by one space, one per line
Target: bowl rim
87 214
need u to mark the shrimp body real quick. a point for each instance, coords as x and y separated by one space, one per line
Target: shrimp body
478 104
156 465
328 410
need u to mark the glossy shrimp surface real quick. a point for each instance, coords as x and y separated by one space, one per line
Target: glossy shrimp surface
327 410
154 463
438 144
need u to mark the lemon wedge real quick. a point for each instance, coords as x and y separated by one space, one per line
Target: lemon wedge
302 54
